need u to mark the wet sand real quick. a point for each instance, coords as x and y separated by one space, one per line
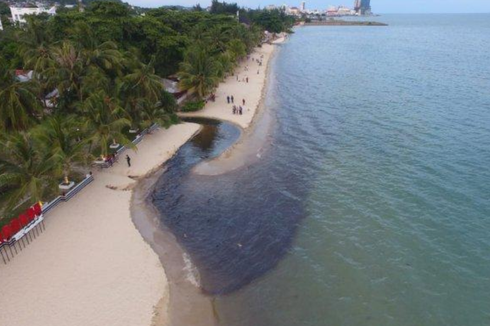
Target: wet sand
188 305
91 266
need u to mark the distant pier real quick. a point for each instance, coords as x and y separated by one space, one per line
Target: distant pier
344 23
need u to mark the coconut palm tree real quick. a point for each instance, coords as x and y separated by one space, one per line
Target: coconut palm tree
143 82
227 63
34 43
19 106
161 113
199 73
105 55
237 48
67 71
218 38
140 91
26 173
58 136
103 121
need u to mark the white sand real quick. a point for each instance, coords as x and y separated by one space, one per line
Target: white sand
251 91
91 266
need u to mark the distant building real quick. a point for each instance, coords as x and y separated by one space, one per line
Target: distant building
362 7
303 6
19 13
339 11
294 11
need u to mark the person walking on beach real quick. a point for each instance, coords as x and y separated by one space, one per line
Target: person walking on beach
234 109
243 101
232 99
247 80
228 99
241 110
128 159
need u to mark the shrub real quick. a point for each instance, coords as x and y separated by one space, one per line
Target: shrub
193 106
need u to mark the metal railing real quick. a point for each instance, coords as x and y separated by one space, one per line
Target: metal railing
69 195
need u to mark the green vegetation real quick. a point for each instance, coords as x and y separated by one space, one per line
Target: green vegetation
97 74
193 106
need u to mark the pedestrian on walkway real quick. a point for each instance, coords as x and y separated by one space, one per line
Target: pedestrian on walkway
128 159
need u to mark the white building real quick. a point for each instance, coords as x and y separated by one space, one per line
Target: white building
303 6
294 11
19 13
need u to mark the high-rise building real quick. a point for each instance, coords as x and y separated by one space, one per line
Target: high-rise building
303 6
362 7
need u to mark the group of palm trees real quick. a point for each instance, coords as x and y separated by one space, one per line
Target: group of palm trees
214 54
101 92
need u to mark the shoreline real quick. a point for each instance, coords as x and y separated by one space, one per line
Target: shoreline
244 151
95 264
91 266
188 305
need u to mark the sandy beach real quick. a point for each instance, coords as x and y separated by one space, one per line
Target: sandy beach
91 266
236 86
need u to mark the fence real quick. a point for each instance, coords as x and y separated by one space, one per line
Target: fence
138 138
13 235
69 195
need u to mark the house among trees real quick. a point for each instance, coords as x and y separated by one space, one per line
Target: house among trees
19 13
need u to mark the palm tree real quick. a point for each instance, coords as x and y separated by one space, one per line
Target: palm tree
104 120
143 82
199 73
237 48
67 71
106 55
140 91
217 37
26 173
19 105
162 112
227 63
58 136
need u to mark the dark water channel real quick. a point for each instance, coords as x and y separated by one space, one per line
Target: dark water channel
235 226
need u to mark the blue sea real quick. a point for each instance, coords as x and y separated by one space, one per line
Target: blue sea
372 205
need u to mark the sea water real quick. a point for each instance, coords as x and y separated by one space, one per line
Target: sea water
372 205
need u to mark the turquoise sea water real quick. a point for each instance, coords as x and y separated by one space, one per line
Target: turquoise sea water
372 206
395 124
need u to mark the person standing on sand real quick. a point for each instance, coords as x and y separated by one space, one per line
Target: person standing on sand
243 101
232 99
228 99
128 159
234 109
247 80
